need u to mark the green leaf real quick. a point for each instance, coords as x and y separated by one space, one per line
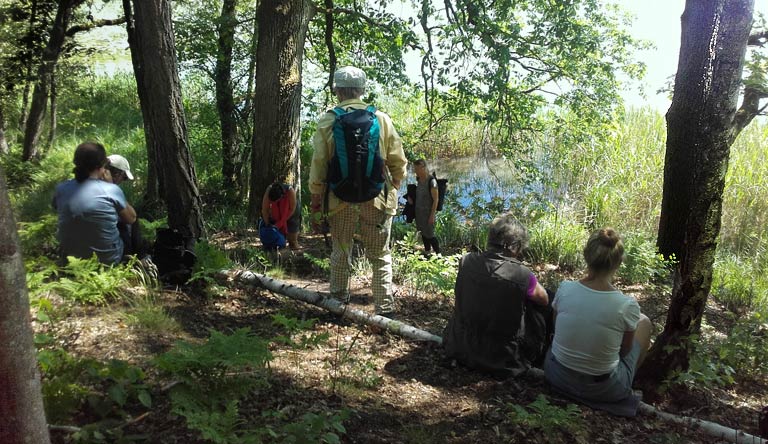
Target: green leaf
145 399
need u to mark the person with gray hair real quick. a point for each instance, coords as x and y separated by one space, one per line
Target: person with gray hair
501 321
371 218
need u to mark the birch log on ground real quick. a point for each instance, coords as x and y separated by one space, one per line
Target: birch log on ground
335 306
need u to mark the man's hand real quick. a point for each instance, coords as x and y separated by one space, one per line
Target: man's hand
316 214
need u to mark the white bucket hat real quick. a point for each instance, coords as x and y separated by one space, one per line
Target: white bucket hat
121 163
349 77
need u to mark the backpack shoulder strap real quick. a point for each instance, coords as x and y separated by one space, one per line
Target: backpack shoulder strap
338 111
371 109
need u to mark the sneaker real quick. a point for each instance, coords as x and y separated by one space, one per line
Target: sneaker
148 266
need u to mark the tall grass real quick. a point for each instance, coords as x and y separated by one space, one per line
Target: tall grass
618 182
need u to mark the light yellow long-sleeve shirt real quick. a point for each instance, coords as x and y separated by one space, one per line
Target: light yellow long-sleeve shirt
390 149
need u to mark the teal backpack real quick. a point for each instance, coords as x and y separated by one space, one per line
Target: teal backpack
356 169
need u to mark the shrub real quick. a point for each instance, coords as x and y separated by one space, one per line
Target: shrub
86 280
557 240
739 284
548 419
642 263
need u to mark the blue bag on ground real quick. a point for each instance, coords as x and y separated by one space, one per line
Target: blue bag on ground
271 237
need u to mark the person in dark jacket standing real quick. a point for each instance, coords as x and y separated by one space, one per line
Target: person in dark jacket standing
426 205
501 321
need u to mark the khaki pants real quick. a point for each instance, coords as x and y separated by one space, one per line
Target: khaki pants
374 230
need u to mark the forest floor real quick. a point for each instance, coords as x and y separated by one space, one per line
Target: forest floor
396 390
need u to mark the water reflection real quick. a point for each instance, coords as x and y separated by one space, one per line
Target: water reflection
477 181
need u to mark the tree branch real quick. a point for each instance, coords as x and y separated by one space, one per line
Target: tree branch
750 107
758 39
329 41
95 24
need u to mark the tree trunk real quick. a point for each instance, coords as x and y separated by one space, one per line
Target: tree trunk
152 196
21 401
50 58
160 94
3 142
225 101
53 118
700 131
277 99
28 70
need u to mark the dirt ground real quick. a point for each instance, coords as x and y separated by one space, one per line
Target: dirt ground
397 390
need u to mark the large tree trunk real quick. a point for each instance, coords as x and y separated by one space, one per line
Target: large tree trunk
225 101
700 131
275 156
3 141
50 58
152 196
165 124
21 401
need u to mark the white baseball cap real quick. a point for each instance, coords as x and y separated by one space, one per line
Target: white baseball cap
121 163
349 77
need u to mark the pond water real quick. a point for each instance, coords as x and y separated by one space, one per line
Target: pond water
478 182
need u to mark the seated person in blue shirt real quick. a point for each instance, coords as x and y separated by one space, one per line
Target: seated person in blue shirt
89 208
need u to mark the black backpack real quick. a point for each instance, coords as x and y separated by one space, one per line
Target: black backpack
442 187
356 169
174 255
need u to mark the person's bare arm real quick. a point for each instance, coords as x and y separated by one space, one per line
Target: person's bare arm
626 343
127 215
265 206
291 201
435 197
539 295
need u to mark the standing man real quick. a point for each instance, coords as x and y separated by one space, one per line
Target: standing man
349 192
426 206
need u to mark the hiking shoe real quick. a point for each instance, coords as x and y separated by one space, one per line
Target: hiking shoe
149 267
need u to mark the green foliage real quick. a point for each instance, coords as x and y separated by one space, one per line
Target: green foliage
321 264
216 364
146 313
214 377
738 284
311 428
210 260
548 419
296 335
39 237
436 273
557 239
641 262
106 389
745 349
85 280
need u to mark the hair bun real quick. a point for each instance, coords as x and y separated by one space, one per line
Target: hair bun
609 237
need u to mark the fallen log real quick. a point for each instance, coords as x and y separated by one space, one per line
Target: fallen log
335 306
711 428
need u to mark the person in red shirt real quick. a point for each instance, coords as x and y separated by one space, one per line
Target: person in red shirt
279 208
